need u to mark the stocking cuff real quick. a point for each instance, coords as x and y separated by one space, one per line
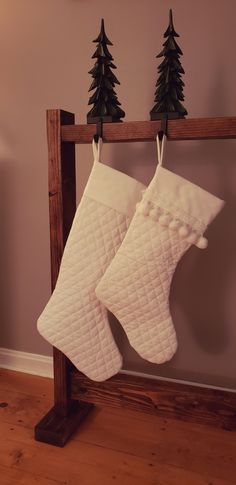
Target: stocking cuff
181 205
114 189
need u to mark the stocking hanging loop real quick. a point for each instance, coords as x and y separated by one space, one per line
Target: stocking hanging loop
160 148
97 149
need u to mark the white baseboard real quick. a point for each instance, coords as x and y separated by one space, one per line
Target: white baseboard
39 365
42 365
176 381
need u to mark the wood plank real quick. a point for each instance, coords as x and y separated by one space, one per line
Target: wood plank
25 383
62 206
12 476
88 464
61 185
165 399
196 448
21 408
130 131
55 429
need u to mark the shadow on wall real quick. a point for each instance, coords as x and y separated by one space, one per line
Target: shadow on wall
202 280
199 288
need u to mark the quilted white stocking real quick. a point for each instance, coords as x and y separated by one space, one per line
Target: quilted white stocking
74 320
173 214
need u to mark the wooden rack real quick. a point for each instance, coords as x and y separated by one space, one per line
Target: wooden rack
74 394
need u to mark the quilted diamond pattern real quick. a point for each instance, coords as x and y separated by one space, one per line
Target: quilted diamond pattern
136 285
74 320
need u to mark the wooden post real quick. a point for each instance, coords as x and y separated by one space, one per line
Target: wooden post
64 417
62 206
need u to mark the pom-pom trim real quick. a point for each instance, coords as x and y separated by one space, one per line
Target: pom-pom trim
165 219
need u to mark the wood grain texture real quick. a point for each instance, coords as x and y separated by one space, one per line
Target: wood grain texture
62 186
166 399
62 206
130 131
88 464
13 476
149 437
55 429
112 446
25 383
61 370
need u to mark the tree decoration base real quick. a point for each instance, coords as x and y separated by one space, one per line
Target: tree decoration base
170 116
103 119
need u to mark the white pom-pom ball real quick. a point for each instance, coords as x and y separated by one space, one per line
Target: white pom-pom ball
202 243
183 231
164 220
193 238
174 224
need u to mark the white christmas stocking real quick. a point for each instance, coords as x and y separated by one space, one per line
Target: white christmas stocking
173 215
74 320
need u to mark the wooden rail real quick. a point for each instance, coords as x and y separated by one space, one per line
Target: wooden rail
130 131
167 399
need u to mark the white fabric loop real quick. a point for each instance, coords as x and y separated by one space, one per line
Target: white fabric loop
97 150
160 149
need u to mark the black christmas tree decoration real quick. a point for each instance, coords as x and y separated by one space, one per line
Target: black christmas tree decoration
169 86
106 105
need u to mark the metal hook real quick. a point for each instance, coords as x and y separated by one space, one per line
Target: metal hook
99 132
164 126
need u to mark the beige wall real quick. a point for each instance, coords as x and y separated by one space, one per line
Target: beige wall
45 52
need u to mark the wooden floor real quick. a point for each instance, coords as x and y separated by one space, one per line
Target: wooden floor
112 447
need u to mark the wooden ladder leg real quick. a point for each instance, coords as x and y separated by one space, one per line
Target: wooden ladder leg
65 416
